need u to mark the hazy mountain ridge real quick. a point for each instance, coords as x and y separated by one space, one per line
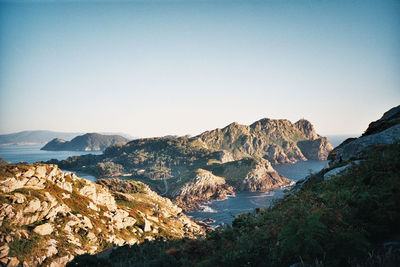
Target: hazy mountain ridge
86 142
48 216
43 137
34 137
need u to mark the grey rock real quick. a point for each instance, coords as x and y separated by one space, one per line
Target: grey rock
359 148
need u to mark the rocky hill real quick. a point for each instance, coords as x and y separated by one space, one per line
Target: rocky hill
278 141
86 142
48 216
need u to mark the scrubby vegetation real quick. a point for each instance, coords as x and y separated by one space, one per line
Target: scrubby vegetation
343 221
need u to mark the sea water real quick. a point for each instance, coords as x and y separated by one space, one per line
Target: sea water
31 154
224 211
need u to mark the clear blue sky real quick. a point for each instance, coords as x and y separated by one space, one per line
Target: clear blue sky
152 68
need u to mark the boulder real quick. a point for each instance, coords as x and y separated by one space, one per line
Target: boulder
33 206
61 262
12 262
147 226
41 171
44 229
51 248
4 249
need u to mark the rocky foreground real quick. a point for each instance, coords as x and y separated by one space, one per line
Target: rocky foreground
48 216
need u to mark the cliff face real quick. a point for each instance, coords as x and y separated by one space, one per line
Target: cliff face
86 142
382 132
48 216
278 141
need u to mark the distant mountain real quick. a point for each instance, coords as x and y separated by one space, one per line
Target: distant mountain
34 137
86 142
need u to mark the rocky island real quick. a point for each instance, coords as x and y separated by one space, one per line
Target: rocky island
209 166
86 142
48 216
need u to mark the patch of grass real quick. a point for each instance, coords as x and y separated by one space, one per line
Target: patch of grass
129 204
23 249
30 193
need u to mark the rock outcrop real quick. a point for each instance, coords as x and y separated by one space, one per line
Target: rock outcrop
389 119
204 186
279 141
48 216
248 174
86 142
262 177
384 131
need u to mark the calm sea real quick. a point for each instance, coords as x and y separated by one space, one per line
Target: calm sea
224 211
31 154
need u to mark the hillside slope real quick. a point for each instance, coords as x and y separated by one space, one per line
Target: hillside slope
48 216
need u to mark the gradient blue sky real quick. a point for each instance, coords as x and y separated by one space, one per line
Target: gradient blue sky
151 68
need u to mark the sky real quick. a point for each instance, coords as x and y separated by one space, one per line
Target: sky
154 68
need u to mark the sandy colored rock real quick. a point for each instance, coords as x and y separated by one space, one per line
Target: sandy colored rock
44 229
4 249
33 206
